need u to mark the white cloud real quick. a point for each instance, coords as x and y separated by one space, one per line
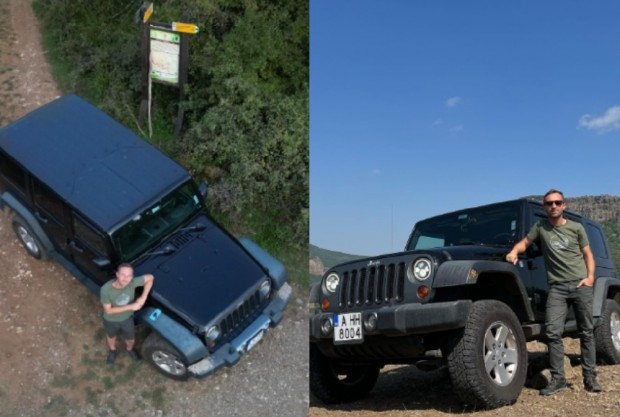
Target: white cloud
437 122
453 101
375 172
609 121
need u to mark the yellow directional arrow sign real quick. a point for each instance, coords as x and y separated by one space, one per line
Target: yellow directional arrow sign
185 28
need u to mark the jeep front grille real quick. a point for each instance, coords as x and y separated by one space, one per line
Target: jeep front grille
236 321
372 286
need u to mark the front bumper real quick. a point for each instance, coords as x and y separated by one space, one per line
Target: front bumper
230 353
406 319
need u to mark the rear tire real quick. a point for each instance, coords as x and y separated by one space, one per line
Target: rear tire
487 361
607 334
332 383
28 239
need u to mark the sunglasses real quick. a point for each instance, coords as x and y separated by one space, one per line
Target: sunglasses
554 203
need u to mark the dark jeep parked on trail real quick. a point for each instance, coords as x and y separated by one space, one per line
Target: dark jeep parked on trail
89 193
450 297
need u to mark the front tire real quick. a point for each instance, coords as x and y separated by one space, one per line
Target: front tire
607 334
332 383
163 357
487 360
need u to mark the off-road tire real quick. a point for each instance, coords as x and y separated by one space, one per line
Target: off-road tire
607 334
28 239
487 359
163 357
332 383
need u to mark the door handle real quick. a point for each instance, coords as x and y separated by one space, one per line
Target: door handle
76 247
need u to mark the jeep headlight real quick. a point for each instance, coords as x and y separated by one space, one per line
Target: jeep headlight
213 333
331 282
421 269
265 289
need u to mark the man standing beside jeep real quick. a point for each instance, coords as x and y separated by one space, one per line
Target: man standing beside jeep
117 297
570 273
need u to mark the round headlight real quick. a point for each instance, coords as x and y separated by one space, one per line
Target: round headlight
265 289
331 282
422 269
213 334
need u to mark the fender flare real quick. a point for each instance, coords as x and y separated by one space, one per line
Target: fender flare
21 210
189 345
275 268
466 272
602 286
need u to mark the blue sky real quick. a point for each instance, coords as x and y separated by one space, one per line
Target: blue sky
422 107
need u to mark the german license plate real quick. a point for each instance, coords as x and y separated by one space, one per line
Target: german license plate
254 341
348 328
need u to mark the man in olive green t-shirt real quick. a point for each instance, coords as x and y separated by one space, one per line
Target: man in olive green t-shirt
117 297
570 272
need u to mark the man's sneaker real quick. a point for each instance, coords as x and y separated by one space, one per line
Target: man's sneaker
111 357
591 385
555 386
133 355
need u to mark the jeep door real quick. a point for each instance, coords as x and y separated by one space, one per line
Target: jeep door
50 211
90 251
534 265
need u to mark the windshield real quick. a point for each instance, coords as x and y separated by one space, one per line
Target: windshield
149 227
496 225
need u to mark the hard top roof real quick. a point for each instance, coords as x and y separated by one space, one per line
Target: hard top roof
100 167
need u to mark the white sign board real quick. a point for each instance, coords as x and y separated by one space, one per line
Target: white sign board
165 53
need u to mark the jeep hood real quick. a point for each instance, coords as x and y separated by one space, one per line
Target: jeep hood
207 273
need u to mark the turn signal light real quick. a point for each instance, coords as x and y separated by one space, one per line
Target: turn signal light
325 304
423 291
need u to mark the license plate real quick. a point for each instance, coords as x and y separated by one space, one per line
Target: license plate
348 328
254 341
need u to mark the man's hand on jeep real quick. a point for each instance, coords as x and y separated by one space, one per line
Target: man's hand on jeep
512 257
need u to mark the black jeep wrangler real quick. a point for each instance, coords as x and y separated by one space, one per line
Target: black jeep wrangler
89 193
450 296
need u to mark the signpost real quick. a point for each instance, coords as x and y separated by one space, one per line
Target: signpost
165 59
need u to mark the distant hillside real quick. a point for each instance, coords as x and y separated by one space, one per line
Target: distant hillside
322 259
604 209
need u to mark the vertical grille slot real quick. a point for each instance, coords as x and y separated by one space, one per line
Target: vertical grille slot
375 285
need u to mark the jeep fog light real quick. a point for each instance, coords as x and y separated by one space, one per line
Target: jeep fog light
370 322
265 289
327 326
212 335
421 269
331 282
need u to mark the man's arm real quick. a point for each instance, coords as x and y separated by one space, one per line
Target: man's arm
148 285
520 247
121 309
590 266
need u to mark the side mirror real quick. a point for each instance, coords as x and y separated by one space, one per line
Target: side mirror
102 262
204 190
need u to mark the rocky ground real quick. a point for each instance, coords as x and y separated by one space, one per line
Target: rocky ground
52 348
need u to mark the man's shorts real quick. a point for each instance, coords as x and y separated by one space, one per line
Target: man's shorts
126 327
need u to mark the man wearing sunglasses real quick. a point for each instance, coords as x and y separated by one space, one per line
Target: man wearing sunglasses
570 273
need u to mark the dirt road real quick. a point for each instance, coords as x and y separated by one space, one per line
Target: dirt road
52 346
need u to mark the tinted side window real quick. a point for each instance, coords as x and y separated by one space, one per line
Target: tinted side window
13 172
48 201
597 241
89 237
